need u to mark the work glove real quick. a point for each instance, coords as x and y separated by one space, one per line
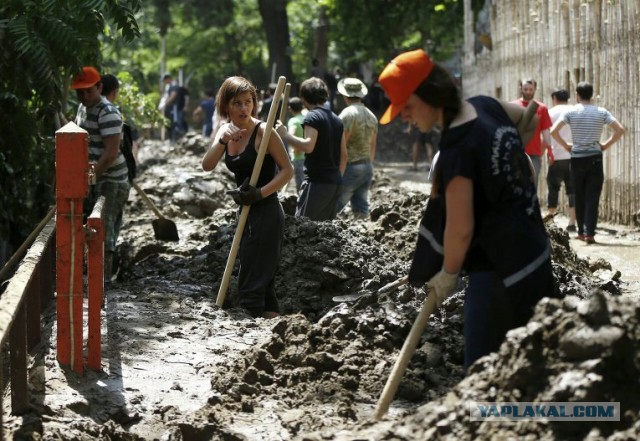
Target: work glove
442 285
246 194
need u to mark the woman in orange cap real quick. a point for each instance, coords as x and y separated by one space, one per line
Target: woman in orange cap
493 230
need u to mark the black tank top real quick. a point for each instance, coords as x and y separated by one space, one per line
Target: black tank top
242 165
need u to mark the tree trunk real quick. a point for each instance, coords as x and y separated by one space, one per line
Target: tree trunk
321 49
276 26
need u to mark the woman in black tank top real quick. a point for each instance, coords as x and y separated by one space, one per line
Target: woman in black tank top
239 139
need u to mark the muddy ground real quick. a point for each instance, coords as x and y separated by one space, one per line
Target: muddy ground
178 367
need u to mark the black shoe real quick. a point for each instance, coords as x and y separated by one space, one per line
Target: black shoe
571 228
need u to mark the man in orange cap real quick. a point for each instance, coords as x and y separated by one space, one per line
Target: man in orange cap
489 223
102 120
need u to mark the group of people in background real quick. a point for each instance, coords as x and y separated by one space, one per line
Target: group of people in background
331 159
485 177
570 135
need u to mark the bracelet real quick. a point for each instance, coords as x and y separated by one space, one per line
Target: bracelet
223 143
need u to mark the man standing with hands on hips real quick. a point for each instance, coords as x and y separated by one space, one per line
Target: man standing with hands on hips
587 122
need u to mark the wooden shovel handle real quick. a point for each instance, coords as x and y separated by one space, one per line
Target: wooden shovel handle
528 115
147 200
406 353
393 285
285 103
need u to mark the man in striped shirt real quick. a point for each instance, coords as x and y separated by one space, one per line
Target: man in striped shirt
587 121
102 120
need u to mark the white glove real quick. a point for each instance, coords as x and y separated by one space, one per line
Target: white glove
443 285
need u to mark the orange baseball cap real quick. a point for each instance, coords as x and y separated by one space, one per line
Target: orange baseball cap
87 78
401 77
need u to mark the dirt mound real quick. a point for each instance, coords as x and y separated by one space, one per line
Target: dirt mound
571 350
180 368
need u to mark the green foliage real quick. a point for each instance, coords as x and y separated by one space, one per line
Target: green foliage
138 109
42 43
206 40
364 30
303 21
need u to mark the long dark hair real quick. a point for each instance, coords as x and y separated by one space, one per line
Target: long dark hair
439 89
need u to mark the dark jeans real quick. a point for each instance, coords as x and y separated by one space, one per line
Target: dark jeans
490 310
259 253
116 195
298 172
484 326
355 188
559 172
318 202
588 177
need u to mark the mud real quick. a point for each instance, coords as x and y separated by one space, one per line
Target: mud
178 367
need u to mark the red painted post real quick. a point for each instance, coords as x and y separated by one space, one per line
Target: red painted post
72 169
95 270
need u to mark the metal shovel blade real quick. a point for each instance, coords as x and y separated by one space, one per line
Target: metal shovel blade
350 297
165 229
387 288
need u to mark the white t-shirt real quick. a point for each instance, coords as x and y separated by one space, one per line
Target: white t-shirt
556 113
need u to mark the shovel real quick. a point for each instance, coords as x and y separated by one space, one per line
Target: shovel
405 356
387 288
427 309
163 228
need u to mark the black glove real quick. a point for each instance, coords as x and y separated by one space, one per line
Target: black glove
246 194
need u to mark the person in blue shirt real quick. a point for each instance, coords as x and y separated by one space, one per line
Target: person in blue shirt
205 110
325 148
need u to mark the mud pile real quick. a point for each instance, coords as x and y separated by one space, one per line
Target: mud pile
317 371
571 350
325 363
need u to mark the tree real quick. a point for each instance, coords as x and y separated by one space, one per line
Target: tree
364 30
276 26
42 44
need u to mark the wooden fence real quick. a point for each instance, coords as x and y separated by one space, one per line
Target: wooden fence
560 43
27 294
